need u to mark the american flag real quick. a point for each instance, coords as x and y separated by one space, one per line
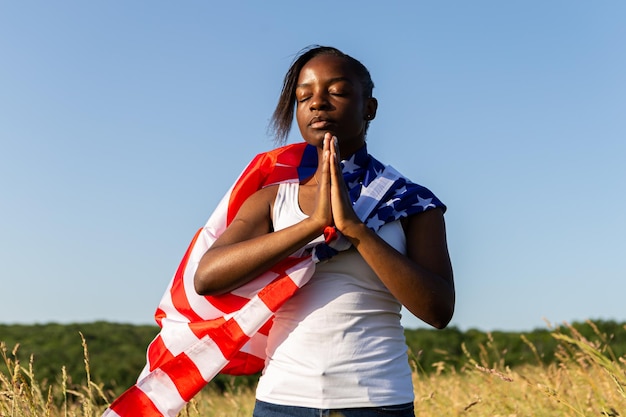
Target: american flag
202 336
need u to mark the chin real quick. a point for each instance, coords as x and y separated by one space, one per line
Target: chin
315 138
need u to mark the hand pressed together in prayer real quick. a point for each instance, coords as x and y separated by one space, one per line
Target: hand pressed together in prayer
333 206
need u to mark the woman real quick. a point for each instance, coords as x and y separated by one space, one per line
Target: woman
338 344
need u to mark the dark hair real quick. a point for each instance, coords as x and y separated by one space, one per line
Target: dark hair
282 118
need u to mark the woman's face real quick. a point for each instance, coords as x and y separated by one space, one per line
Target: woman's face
329 98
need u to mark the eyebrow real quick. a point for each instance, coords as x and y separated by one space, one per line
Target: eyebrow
331 81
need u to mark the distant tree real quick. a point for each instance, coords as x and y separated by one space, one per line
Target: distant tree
117 351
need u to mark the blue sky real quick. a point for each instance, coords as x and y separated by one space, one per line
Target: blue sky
123 123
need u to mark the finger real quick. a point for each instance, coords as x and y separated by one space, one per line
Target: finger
339 192
326 156
336 147
335 162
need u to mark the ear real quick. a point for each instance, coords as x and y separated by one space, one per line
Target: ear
371 105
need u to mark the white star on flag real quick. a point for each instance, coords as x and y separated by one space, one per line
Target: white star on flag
353 183
349 166
400 190
400 214
424 202
375 223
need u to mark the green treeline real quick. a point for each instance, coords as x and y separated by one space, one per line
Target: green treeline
117 351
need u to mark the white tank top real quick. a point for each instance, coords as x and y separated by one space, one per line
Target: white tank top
338 342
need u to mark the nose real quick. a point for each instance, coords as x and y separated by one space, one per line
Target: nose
319 101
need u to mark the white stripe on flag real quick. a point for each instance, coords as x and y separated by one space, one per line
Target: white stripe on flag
253 287
177 337
253 316
207 357
301 272
162 392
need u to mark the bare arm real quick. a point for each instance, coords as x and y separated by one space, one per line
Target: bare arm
422 280
248 248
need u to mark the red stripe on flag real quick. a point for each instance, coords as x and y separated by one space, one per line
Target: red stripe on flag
285 163
249 181
265 329
202 328
158 353
275 294
259 172
159 315
185 375
229 338
228 303
134 402
278 291
292 156
244 364
179 298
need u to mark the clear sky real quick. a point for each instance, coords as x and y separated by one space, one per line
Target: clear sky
123 123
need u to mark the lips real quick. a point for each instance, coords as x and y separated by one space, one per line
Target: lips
320 122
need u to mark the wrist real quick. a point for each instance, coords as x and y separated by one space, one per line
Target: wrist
354 232
313 226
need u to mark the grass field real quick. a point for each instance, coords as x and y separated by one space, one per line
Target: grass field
585 380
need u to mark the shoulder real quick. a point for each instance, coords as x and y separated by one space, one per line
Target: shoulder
264 196
434 215
259 204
